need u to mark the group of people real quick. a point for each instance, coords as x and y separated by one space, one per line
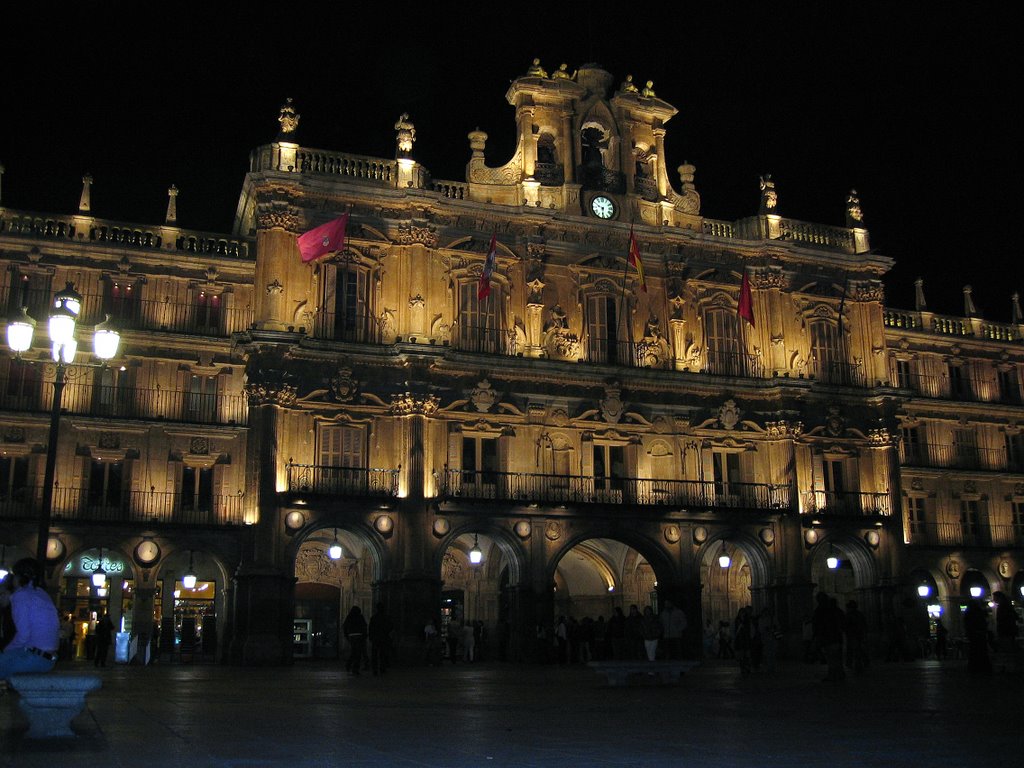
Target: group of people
379 633
31 628
636 635
751 638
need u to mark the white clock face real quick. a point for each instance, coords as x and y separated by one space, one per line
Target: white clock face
602 207
147 552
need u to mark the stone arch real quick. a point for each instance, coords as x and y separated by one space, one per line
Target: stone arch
761 569
505 541
314 530
661 562
851 549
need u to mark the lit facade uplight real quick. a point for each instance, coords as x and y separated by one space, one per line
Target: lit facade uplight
976 591
334 551
924 590
476 555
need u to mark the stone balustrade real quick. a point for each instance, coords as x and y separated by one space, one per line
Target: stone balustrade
82 228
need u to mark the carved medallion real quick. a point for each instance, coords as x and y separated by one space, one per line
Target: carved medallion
612 406
483 397
729 415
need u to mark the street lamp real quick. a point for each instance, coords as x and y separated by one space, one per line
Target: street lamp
188 581
724 561
99 576
67 304
832 561
334 551
476 555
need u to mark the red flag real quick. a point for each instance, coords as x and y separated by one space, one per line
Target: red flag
635 261
320 241
745 308
483 289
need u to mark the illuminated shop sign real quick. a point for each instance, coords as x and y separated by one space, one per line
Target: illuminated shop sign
87 564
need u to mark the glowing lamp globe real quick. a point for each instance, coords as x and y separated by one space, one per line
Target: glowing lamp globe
832 562
924 590
976 591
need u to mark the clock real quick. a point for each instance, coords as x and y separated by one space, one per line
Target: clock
602 207
147 552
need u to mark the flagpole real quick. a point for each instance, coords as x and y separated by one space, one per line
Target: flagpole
622 295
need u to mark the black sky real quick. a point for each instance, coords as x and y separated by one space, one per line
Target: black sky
911 104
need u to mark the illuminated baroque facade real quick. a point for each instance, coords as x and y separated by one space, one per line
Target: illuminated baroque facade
600 443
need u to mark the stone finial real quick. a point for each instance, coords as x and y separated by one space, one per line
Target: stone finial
477 142
919 303
172 205
648 91
969 309
562 73
536 70
1015 315
854 214
85 201
628 86
769 197
289 120
405 135
686 174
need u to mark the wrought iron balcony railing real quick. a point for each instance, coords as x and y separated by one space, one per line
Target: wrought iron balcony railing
149 507
318 480
843 374
347 326
563 489
961 534
89 399
954 457
846 503
734 364
492 341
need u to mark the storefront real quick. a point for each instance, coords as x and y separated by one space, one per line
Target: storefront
93 583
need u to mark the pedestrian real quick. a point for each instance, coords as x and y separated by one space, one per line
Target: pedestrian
941 640
379 633
742 639
354 629
6 619
432 644
725 649
710 639
856 630
468 640
104 634
67 634
828 635
1006 623
976 626
33 648
673 625
634 634
617 634
651 628
452 632
562 640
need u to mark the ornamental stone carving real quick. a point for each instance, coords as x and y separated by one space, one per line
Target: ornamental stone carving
483 396
199 446
834 422
768 277
409 233
553 531
869 291
729 414
769 197
880 436
409 403
284 217
275 288
612 406
784 428
854 214
343 387
288 118
14 435
109 440
270 393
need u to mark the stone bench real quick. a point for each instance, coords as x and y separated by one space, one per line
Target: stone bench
619 672
52 700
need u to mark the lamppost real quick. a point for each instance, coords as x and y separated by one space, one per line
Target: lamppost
67 304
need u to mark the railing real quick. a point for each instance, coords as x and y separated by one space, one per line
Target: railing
734 364
846 503
612 352
549 174
167 238
646 187
528 487
453 190
966 389
952 456
192 319
150 507
597 177
960 534
716 228
344 326
342 481
816 234
1000 331
492 341
90 399
319 161
896 318
843 374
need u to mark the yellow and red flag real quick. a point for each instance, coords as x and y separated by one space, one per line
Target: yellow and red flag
635 260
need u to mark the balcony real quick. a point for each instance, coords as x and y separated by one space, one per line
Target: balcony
149 507
348 327
846 504
318 480
967 457
89 399
842 374
734 364
566 489
960 534
489 341
211 317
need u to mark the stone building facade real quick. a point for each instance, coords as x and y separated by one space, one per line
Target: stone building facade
600 439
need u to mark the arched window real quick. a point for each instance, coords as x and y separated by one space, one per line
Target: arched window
721 338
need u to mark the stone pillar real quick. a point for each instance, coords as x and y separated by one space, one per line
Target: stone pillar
172 205
659 141
85 201
677 327
282 280
534 332
568 154
264 596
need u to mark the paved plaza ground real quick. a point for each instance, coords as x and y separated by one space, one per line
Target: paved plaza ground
489 715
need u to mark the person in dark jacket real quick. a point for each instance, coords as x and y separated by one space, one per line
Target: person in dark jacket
354 630
380 640
104 634
828 634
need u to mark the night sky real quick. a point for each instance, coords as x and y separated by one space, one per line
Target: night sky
910 104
